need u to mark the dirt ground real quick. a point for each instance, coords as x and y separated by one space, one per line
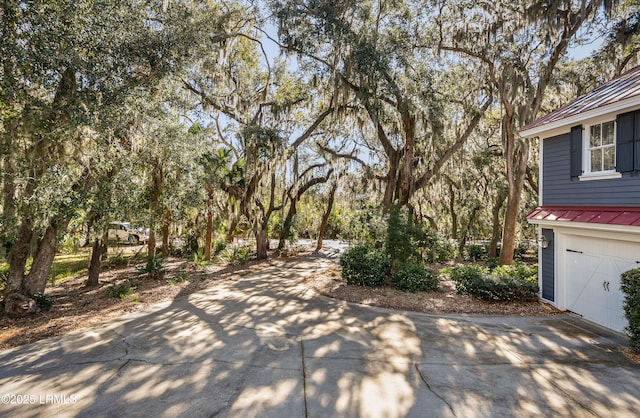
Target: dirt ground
75 306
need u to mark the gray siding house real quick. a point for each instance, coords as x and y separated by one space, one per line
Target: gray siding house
589 203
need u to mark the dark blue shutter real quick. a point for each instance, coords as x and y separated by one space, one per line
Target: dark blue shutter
576 151
625 143
636 141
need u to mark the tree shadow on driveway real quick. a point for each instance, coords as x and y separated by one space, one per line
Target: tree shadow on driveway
262 344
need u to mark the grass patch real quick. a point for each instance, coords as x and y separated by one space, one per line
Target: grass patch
67 266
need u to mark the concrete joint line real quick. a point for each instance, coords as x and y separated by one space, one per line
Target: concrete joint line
565 393
424 379
304 378
117 372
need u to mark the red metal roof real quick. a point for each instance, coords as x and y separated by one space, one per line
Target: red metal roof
623 87
588 214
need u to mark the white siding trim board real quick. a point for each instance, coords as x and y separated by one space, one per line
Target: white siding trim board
564 125
628 232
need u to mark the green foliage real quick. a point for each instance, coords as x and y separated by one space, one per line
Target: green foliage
402 240
492 262
198 259
366 225
219 246
517 270
437 249
262 143
466 277
4 276
235 255
123 290
415 278
68 266
475 252
364 265
630 286
508 284
505 288
173 281
154 267
70 245
119 260
43 301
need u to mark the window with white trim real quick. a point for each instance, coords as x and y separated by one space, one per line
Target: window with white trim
600 152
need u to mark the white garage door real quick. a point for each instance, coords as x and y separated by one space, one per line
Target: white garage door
593 268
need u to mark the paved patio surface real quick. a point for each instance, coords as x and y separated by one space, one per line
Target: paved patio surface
264 346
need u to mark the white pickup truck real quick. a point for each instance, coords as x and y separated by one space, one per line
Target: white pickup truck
124 232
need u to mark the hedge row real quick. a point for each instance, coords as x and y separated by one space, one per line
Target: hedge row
630 285
517 283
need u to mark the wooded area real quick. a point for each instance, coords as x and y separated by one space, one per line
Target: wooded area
205 121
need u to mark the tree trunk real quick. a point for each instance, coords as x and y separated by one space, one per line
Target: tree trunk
262 243
406 177
151 244
232 229
452 210
325 217
165 234
495 219
36 280
208 236
462 242
10 125
392 182
104 249
94 265
154 206
18 258
516 177
288 223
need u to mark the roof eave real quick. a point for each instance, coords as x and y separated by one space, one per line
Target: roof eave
627 229
629 104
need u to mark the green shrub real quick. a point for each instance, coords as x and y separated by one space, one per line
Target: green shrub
122 291
475 252
69 245
492 262
364 265
511 283
119 260
517 270
43 301
415 278
436 249
219 246
403 239
504 288
154 267
630 286
466 277
236 255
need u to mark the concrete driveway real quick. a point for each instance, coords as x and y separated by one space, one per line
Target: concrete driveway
262 345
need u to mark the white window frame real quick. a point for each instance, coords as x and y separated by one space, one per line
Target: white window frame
586 153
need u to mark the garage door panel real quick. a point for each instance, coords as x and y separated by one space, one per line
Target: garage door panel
592 277
585 284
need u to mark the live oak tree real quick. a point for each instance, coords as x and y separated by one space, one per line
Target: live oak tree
263 113
521 44
66 67
374 55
